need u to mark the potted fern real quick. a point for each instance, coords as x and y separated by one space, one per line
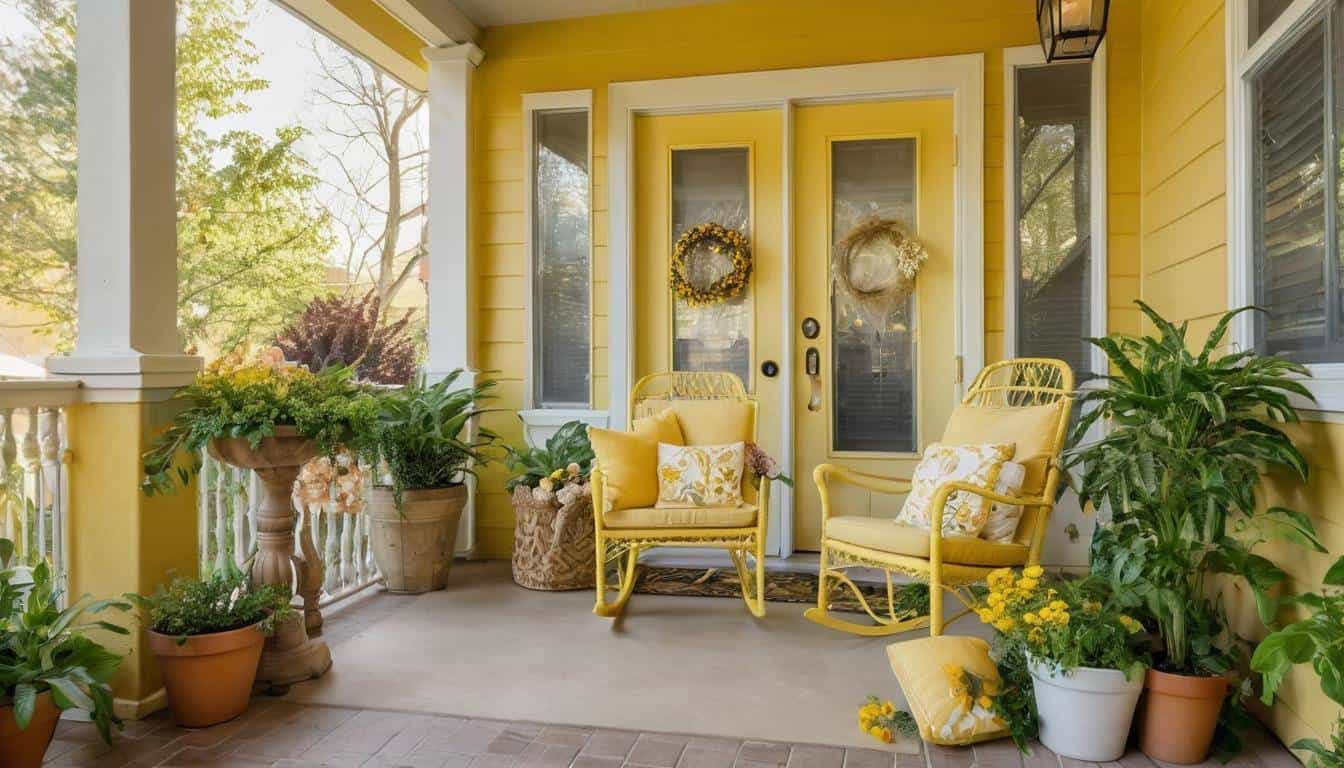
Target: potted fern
47 661
426 437
1173 482
553 545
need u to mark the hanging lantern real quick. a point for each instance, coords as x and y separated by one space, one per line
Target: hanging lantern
1071 29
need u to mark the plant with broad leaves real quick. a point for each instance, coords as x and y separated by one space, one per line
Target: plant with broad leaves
1317 638
219 603
567 455
44 648
422 432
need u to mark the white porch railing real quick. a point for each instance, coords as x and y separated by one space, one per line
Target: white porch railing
35 471
228 501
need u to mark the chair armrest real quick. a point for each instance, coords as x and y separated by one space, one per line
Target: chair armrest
826 473
946 489
598 486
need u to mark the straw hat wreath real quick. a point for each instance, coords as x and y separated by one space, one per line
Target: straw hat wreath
876 264
710 264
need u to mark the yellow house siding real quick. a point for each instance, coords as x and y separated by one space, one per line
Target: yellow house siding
1184 268
1123 273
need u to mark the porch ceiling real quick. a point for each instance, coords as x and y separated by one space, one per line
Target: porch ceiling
494 13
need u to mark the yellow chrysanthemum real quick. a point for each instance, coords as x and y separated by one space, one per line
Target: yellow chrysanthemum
985 702
1046 613
986 616
1005 624
1036 636
1031 618
1091 607
1062 618
1033 571
994 598
1058 605
1027 583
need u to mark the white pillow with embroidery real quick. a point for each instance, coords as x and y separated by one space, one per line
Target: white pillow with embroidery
700 475
965 513
1001 526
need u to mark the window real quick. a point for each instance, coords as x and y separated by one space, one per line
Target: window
561 309
1263 13
1285 233
1054 262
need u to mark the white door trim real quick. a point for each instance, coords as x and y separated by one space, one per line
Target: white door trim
960 77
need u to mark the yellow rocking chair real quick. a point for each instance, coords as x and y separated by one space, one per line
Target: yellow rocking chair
1026 402
623 534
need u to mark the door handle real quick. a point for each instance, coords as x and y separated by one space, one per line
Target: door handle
812 364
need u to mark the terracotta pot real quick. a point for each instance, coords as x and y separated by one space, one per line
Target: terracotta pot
25 748
414 546
208 678
1180 713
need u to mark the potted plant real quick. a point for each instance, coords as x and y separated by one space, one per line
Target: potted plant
423 436
1083 653
270 417
553 545
207 635
1316 638
47 661
1173 482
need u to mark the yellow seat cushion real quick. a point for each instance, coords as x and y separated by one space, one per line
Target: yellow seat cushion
890 536
663 427
943 679
1031 428
716 422
682 517
629 464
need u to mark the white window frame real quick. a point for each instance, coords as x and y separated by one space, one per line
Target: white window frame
1243 61
1031 56
533 414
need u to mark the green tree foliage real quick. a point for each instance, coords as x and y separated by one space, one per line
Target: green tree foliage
251 237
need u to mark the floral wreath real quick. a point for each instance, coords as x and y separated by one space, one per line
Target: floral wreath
910 255
718 239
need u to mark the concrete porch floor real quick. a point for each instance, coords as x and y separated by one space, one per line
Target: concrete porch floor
439 721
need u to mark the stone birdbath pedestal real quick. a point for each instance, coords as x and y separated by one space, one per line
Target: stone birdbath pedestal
290 655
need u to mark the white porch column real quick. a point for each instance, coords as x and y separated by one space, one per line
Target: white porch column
127 268
451 312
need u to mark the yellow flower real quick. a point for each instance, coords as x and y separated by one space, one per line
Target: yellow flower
1062 618
1092 607
1130 623
886 735
1005 624
1036 636
875 732
995 598
557 474
888 709
986 616
1046 613
1033 571
1027 584
1031 618
1058 605
985 702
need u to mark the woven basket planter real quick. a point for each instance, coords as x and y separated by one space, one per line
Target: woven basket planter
553 544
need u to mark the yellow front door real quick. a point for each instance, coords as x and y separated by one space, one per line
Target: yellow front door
878 379
694 169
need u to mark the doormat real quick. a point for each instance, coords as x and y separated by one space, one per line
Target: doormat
780 587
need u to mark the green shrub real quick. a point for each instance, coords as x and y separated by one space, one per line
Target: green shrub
220 603
568 447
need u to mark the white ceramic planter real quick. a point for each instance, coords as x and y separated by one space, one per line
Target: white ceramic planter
1085 713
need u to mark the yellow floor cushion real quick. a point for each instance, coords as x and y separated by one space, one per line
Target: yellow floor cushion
950 683
889 536
682 517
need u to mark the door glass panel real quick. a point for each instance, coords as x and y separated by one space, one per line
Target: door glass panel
712 185
873 357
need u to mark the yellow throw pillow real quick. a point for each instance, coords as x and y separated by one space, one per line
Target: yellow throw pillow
966 512
700 475
715 422
1031 428
629 462
950 683
663 427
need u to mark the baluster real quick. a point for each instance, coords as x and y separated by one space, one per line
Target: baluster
347 552
310 570
29 457
59 528
9 523
221 519
254 495
48 443
333 575
370 566
241 546
203 527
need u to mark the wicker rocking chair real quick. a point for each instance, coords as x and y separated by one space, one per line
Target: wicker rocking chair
1025 401
623 535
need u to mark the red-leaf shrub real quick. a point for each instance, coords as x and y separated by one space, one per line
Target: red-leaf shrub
343 330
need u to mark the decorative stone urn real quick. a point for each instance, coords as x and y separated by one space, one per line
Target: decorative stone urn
290 655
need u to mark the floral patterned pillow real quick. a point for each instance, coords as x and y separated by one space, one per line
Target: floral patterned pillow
965 513
700 475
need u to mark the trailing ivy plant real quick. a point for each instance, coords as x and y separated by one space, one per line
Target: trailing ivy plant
1318 639
421 432
568 447
46 649
219 603
1174 480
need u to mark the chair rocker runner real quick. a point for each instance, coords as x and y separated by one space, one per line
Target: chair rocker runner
1026 402
622 534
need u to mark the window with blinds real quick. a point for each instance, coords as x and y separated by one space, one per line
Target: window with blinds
1053 248
1294 168
561 260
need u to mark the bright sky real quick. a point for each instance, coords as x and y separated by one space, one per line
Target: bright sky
283 42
